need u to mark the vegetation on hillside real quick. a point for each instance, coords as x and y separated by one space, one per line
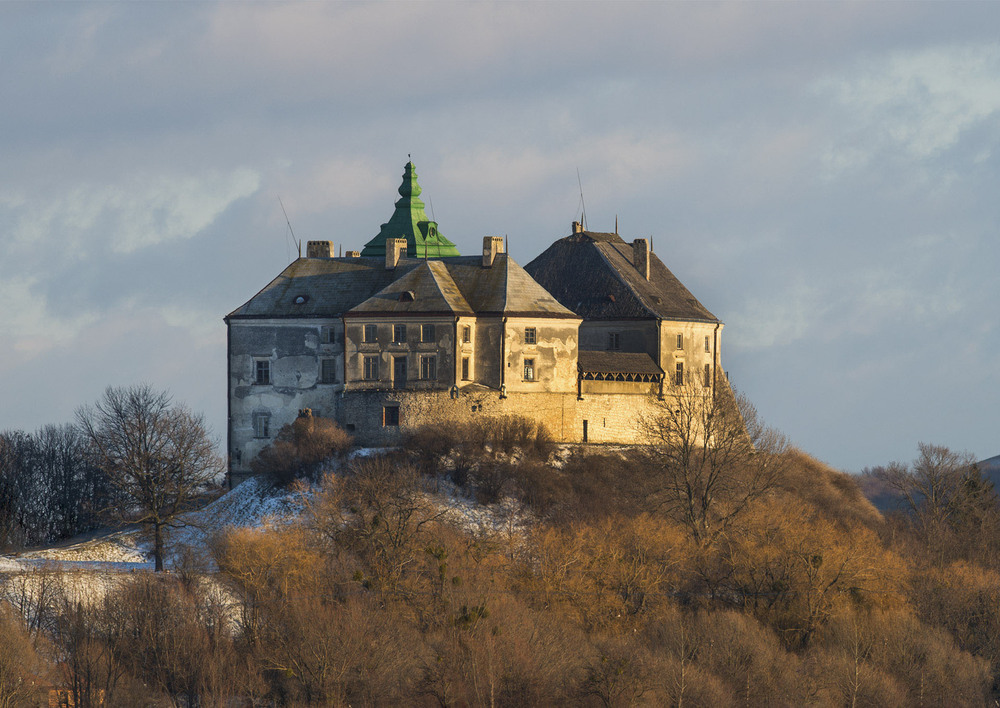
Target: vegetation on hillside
587 589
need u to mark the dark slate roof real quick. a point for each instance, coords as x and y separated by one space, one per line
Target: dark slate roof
332 287
593 275
595 362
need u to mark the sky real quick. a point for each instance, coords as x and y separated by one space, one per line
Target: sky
822 176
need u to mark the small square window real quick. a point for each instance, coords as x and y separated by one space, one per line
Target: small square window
708 376
262 372
529 335
426 333
328 371
466 334
390 416
371 368
465 368
262 425
529 369
679 374
708 345
614 341
428 368
680 341
399 334
370 334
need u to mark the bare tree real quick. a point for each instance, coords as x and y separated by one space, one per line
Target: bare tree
712 456
157 456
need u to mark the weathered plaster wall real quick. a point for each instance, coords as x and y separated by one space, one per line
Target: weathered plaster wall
443 347
692 353
554 353
294 352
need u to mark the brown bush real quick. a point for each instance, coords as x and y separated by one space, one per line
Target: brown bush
837 495
22 670
300 448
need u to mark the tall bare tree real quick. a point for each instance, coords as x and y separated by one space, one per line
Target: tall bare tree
157 456
712 456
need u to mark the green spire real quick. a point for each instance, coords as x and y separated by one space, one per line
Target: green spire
410 222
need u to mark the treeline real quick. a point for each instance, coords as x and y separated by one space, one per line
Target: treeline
49 489
587 587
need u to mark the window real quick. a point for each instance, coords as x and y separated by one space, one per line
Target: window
426 333
466 334
529 369
370 333
390 415
328 371
708 345
326 335
465 368
399 334
529 335
679 374
614 341
371 368
680 341
708 376
262 372
262 425
428 367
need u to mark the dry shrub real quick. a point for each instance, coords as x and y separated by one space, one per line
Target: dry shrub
22 670
300 449
500 652
266 565
749 659
794 569
172 638
609 573
835 494
356 652
891 658
964 599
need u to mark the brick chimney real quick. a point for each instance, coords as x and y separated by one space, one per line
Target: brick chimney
353 254
319 249
492 245
640 256
394 250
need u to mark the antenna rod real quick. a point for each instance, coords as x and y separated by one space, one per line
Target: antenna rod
582 203
298 244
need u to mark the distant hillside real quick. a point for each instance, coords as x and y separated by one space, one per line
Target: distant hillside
886 499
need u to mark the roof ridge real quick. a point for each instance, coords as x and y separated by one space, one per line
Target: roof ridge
437 277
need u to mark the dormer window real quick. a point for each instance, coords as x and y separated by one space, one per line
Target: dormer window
407 296
301 299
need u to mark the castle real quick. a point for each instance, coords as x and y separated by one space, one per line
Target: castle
585 338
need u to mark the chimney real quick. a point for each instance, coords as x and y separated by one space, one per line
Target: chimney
319 249
353 254
640 256
577 227
492 245
394 250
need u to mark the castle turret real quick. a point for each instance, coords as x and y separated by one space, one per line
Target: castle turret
410 222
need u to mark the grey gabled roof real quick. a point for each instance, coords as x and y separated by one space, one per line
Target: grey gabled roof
593 275
428 288
332 287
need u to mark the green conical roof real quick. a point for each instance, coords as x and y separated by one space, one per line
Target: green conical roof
410 222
